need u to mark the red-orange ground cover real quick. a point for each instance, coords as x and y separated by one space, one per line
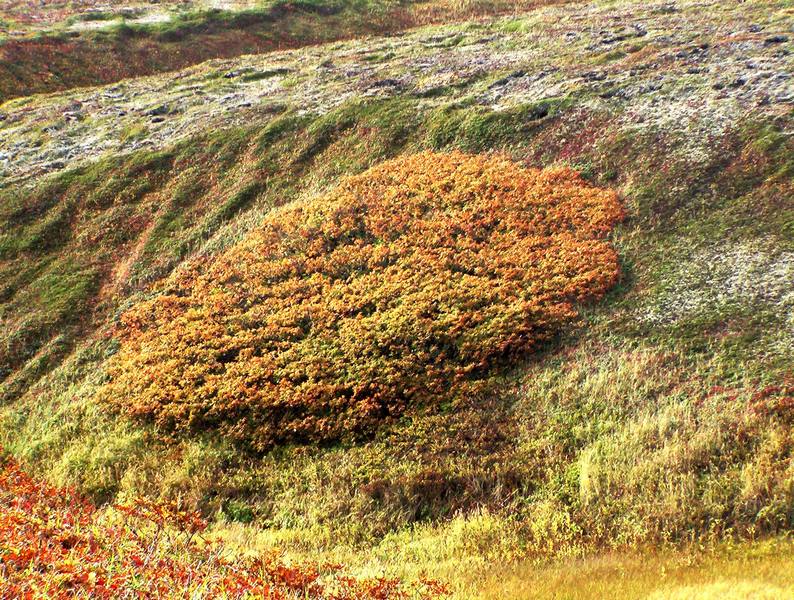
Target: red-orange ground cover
54 544
409 284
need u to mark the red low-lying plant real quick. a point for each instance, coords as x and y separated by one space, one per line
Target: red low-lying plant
55 544
408 284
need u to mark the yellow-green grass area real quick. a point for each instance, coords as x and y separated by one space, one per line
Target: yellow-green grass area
763 571
473 555
662 421
658 421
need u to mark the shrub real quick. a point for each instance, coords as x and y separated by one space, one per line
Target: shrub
409 284
55 544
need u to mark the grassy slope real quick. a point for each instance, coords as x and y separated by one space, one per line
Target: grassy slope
62 59
58 61
666 417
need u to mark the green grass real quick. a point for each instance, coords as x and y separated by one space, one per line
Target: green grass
477 130
623 433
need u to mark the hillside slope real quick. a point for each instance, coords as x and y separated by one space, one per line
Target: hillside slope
662 416
56 47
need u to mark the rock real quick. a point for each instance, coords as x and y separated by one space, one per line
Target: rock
505 80
158 119
613 39
775 39
649 88
163 109
386 83
610 93
593 76
436 39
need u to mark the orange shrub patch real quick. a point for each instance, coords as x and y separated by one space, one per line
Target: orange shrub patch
407 284
54 544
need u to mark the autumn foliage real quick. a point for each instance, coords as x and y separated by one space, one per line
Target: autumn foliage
405 285
54 544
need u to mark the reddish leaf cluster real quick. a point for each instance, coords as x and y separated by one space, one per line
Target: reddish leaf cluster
775 400
54 544
403 286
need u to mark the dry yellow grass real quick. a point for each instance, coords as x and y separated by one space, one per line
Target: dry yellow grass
759 571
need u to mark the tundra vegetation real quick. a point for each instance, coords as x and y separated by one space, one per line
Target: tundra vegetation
504 302
406 285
